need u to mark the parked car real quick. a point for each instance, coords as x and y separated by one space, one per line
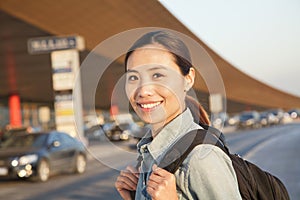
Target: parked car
249 119
124 131
220 120
39 155
118 132
294 113
278 113
95 132
264 119
10 132
268 119
234 120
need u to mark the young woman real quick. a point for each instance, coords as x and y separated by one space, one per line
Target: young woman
158 75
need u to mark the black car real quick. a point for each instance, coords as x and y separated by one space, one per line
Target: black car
40 155
11 132
249 119
125 131
118 132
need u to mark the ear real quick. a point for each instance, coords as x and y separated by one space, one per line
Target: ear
190 78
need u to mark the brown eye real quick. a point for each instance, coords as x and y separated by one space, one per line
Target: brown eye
157 75
132 78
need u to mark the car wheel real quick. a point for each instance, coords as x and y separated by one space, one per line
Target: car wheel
80 164
43 171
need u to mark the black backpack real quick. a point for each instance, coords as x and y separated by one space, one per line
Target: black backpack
254 183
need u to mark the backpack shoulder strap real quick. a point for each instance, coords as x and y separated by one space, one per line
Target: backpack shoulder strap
181 149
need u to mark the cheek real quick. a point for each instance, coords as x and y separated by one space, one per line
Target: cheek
178 98
173 96
131 93
130 90
175 89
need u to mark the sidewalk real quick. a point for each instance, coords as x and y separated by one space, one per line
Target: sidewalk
105 149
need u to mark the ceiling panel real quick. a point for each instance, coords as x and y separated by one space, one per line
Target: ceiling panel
30 75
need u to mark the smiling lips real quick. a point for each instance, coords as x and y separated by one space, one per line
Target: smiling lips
149 106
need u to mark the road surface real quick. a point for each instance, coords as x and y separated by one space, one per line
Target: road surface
274 149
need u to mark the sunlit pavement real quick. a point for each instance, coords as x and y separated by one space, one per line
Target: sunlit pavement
274 149
115 155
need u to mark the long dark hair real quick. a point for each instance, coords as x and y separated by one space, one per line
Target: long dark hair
182 58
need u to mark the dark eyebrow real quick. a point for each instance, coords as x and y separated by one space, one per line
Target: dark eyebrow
157 67
131 71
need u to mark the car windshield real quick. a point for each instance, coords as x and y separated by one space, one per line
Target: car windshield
275 112
247 116
30 140
264 114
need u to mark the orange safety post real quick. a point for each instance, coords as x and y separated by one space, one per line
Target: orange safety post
15 111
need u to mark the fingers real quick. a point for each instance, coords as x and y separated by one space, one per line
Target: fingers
160 172
125 194
127 179
163 190
133 170
153 192
125 183
161 183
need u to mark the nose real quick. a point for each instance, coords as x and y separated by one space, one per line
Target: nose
145 90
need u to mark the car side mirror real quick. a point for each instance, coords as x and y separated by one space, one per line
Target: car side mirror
55 143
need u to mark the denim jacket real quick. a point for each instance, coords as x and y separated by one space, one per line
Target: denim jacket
207 172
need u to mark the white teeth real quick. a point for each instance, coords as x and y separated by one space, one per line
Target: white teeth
150 105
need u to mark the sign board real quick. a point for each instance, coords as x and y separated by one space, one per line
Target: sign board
55 43
65 64
64 111
65 68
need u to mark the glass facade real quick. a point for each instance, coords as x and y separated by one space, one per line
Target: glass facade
30 115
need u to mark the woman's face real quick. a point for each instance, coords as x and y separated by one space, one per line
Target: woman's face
155 85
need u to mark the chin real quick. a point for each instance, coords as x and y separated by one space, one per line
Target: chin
153 120
154 116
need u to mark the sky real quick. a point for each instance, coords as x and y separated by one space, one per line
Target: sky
259 37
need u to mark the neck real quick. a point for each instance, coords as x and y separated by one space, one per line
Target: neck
155 129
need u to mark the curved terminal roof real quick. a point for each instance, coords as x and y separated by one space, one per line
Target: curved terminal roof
96 21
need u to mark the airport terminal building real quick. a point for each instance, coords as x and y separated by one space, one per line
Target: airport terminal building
28 90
